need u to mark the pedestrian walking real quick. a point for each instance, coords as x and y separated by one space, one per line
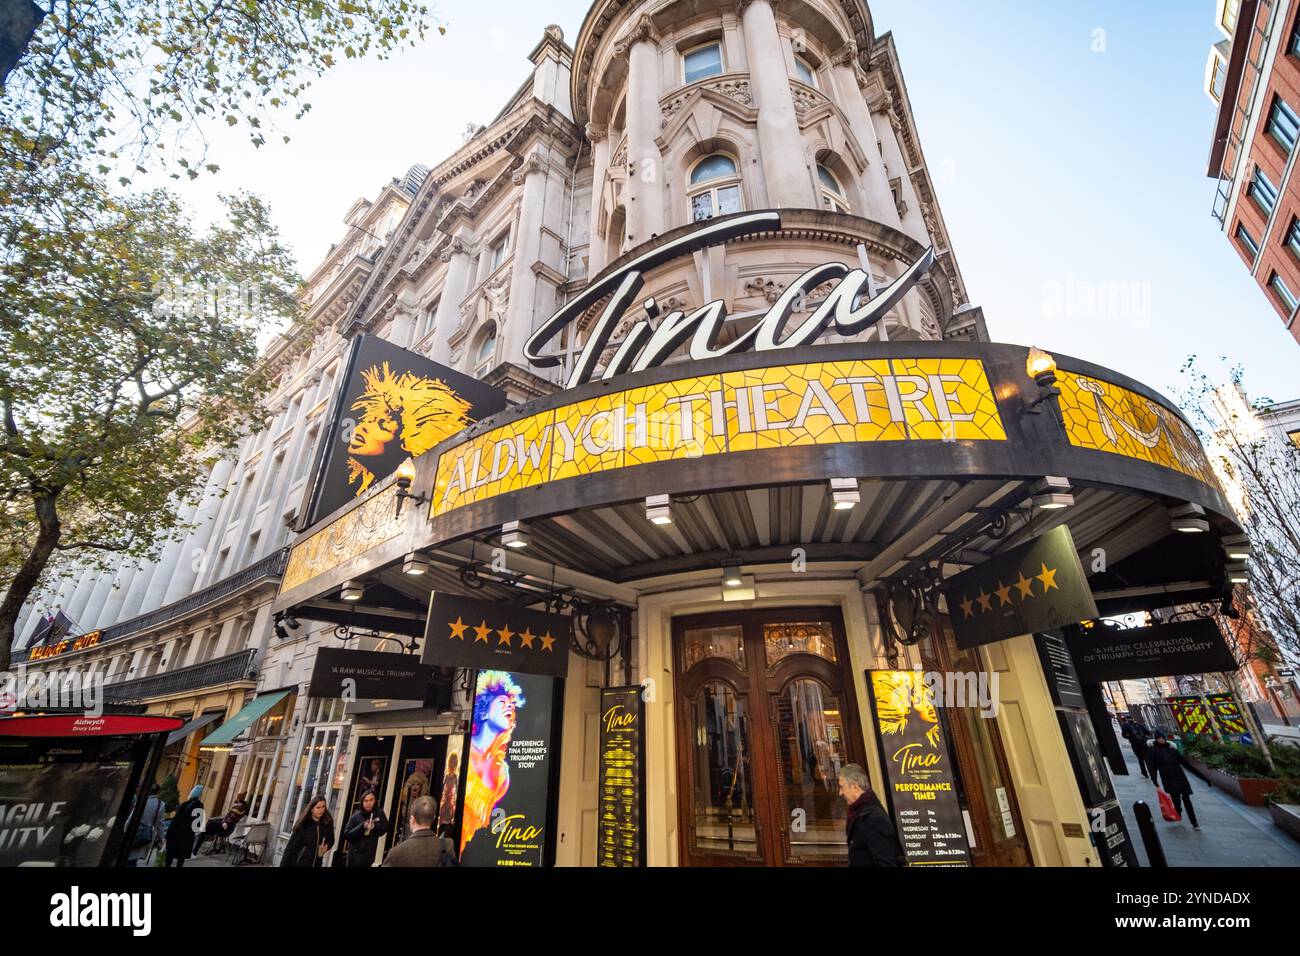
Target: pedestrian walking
363 830
183 829
1138 737
1168 763
149 831
872 838
312 837
423 847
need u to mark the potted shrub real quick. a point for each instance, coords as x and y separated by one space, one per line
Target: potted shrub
1284 806
1241 770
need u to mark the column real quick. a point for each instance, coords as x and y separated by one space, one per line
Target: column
188 562
80 598
913 224
880 201
518 316
600 146
98 597
645 181
454 288
785 167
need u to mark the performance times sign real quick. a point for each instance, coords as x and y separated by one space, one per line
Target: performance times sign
918 770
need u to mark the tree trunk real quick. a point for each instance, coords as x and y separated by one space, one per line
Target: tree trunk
29 575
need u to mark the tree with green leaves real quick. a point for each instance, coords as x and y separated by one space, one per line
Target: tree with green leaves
131 359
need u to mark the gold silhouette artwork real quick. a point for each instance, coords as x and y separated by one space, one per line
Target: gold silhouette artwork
901 696
402 415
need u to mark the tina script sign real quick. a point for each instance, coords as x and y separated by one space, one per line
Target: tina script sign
493 635
1038 586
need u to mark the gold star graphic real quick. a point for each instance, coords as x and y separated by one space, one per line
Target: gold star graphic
1004 594
506 634
985 600
1026 586
458 629
966 606
547 641
481 632
526 638
1048 577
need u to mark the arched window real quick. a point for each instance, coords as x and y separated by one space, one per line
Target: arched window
806 72
487 347
833 197
714 187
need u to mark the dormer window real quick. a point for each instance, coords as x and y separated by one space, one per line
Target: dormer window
702 62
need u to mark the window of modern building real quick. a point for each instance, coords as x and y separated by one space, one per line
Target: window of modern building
1262 191
498 251
1293 237
805 71
1293 46
1284 294
1228 16
1283 124
833 197
486 349
1218 73
1247 241
702 62
714 187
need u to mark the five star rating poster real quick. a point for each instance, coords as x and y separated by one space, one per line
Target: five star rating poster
465 632
1038 586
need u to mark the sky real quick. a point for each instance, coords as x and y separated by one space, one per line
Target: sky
1067 142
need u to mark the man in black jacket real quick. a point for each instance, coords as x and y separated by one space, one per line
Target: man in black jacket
871 835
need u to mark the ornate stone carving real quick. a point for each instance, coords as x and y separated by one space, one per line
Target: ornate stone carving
596 132
846 54
733 89
643 30
532 164
453 248
472 190
805 99
497 297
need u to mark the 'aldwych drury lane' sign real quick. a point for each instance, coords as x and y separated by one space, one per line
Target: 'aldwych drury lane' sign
648 345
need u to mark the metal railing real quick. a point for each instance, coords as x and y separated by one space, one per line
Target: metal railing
239 666
270 566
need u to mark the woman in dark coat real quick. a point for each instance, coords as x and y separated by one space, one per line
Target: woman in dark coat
181 831
870 832
1168 763
311 838
363 830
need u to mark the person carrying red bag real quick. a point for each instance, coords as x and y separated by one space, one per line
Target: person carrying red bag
1166 765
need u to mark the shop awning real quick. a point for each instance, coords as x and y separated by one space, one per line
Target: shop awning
252 711
180 733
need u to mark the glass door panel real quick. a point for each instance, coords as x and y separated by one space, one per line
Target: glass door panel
811 739
723 819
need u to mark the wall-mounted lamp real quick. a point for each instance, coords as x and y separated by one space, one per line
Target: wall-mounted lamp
1236 547
352 591
1041 367
659 509
844 493
731 576
1051 493
1237 572
1189 519
415 563
514 534
405 476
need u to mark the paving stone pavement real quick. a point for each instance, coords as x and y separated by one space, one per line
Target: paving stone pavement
1231 834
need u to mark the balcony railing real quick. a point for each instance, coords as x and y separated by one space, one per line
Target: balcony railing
270 566
223 670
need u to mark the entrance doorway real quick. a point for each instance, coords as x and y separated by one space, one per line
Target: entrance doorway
766 718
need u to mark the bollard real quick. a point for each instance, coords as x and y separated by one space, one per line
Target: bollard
1150 839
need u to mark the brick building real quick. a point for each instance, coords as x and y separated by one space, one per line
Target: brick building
1253 74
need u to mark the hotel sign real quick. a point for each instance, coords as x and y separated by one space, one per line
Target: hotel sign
1038 586
67 644
819 403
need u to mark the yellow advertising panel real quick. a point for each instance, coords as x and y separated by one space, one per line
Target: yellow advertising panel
819 403
1108 417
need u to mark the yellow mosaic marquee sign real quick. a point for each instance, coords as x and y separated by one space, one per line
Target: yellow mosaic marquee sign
368 525
821 403
1107 417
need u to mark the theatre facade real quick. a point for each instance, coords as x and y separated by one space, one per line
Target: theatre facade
666 469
